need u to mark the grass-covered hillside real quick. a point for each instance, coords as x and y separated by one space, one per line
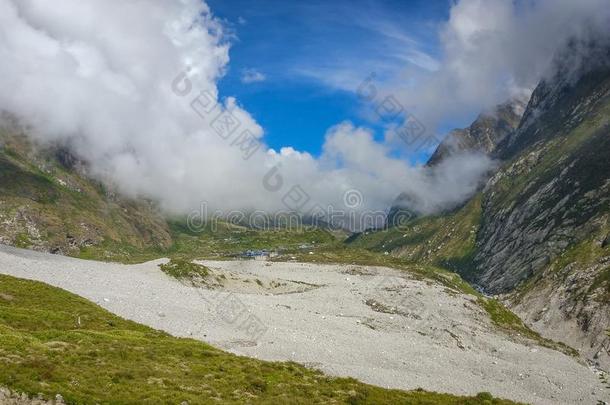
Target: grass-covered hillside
53 342
47 203
223 240
446 240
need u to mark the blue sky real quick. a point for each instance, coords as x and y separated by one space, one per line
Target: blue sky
296 66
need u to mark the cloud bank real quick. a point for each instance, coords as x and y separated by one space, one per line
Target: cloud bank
130 87
136 98
494 50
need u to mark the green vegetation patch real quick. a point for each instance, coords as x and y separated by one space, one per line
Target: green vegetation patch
53 342
185 270
223 240
22 240
55 208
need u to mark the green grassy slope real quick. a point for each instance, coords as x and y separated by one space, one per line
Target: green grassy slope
46 205
53 342
445 240
225 240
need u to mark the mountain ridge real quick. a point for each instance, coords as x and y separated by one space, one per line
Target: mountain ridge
488 130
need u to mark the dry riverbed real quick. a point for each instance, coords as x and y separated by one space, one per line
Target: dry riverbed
375 324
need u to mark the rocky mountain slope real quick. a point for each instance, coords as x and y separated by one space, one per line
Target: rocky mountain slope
48 203
538 231
553 194
545 214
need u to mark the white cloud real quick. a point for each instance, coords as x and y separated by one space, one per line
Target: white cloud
107 92
252 76
495 49
97 76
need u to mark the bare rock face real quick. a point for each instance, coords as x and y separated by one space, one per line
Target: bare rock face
485 133
566 305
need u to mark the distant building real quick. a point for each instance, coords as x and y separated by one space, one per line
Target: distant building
256 254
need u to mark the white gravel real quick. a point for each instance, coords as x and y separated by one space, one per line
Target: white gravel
374 324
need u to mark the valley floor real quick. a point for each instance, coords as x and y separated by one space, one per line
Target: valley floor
375 324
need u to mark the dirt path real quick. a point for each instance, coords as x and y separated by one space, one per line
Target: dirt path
373 324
